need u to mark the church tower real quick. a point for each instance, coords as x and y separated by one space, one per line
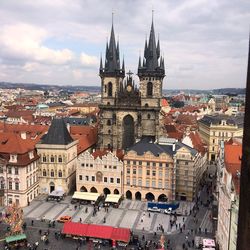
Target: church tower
126 112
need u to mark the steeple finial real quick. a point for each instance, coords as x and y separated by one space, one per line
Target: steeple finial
152 15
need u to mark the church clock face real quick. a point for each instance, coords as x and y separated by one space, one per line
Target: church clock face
129 88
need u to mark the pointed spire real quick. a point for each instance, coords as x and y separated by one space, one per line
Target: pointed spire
145 48
123 65
101 66
112 58
139 64
158 51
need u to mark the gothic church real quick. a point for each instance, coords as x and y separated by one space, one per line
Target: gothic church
127 113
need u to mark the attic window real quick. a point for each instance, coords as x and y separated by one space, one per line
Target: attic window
31 155
13 158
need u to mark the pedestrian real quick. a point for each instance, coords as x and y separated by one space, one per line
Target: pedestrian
80 220
32 223
149 215
143 237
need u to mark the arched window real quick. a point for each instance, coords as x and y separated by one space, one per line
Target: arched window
59 158
44 172
149 89
149 116
60 173
146 105
108 122
52 159
110 91
52 174
109 131
44 158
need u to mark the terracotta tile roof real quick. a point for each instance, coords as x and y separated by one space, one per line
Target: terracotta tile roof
100 153
86 135
164 103
186 119
233 154
197 142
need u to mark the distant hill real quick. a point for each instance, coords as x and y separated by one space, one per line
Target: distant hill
97 89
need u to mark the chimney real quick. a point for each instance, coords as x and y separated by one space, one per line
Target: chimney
23 135
173 147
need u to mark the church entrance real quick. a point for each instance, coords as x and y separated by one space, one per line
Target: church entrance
128 136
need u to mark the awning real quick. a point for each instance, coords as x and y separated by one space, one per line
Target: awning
57 193
15 238
85 196
96 231
113 198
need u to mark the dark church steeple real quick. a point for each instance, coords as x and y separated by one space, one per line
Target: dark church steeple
153 63
112 60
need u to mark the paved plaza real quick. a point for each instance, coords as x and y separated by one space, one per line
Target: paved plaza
130 214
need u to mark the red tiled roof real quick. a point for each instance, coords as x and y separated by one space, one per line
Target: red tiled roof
233 154
100 153
96 231
197 142
164 103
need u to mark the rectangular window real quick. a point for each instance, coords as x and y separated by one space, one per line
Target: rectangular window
154 173
167 165
148 163
44 158
139 171
147 183
87 164
16 170
1 170
128 181
140 182
105 166
17 186
153 183
105 179
83 165
128 162
140 163
159 184
93 178
134 170
134 181
186 172
9 170
111 180
114 167
128 170
148 172
160 174
80 177
134 162
160 164
10 185
91 165
118 180
154 164
86 178
166 184
186 162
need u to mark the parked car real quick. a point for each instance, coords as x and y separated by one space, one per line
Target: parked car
168 211
65 218
154 209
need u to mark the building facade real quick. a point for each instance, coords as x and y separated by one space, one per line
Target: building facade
126 112
100 171
162 170
58 159
229 180
18 170
216 128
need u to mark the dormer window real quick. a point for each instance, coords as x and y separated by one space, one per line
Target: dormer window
13 158
31 155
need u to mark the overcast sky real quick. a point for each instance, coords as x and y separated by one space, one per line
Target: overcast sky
204 42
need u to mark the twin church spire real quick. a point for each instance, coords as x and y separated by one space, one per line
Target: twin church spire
152 62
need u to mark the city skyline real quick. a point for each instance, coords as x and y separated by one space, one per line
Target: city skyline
204 43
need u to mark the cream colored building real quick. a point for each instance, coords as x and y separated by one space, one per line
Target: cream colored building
58 159
149 172
163 170
214 129
229 183
18 170
100 171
